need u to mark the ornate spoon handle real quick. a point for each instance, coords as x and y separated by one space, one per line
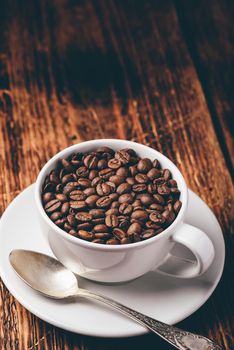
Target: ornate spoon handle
178 338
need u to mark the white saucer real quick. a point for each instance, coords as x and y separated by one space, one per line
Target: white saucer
165 298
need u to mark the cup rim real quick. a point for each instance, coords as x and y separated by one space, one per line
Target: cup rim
109 143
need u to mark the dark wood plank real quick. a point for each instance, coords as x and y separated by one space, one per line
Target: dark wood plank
75 70
208 29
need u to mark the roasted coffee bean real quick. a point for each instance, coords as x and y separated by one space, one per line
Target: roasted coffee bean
67 227
153 174
175 191
104 202
115 204
73 233
93 173
67 166
114 163
111 221
69 177
97 213
123 156
157 207
84 183
97 180
59 188
125 208
134 228
172 183
122 172
89 191
102 235
75 163
119 234
90 161
98 240
61 197
102 164
83 216
56 215
77 205
84 226
52 206
117 180
71 220
60 222
177 206
164 190
169 206
133 170
112 241
169 216
86 235
148 234
54 178
47 197
147 199
113 196
125 240
152 188
166 174
130 151
76 195
106 173
159 181
152 225
139 207
112 211
131 180
70 186
103 189
65 208
137 203
124 188
156 217
82 172
91 200
141 215
156 164
139 188
158 199
127 197
100 228
144 165
141 178
112 186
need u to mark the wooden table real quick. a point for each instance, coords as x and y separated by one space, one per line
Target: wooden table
156 72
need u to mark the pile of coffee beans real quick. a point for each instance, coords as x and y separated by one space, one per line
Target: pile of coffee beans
111 197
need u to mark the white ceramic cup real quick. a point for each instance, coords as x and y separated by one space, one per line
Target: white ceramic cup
119 263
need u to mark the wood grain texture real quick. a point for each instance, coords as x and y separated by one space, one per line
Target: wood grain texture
77 70
209 33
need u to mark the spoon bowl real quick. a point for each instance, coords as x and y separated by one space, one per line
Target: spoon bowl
44 273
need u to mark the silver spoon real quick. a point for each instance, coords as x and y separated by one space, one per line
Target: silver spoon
49 277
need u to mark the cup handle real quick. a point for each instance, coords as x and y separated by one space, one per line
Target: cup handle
199 244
